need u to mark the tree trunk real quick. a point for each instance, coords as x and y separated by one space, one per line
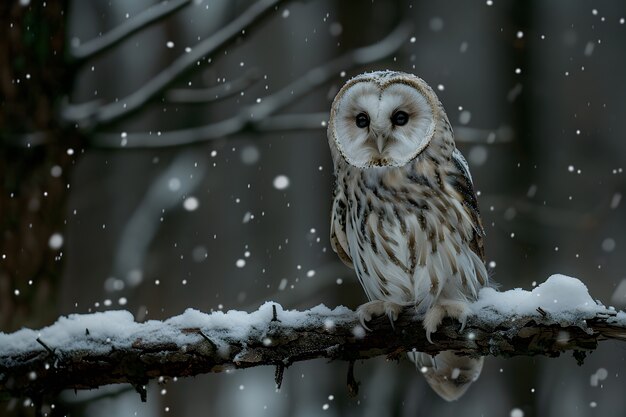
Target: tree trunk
35 163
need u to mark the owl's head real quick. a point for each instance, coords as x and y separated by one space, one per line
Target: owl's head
383 118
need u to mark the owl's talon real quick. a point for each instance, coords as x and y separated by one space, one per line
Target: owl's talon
362 321
393 311
432 320
463 322
366 311
458 310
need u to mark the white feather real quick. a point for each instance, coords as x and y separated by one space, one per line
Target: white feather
407 231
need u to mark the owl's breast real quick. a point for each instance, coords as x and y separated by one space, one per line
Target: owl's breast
409 241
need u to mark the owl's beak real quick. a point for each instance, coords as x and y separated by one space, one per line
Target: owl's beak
380 143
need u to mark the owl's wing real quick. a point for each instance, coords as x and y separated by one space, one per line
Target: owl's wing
338 239
462 181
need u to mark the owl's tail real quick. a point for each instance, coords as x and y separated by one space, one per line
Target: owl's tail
449 374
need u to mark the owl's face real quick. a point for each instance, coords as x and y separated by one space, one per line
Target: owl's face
383 119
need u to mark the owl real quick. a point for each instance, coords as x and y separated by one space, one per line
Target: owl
405 215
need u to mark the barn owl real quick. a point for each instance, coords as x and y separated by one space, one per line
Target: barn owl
405 214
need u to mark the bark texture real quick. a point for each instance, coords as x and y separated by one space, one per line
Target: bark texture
34 78
47 369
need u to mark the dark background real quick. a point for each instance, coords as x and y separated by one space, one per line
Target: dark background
536 94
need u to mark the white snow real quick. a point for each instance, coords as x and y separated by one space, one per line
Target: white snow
617 197
281 182
174 184
561 298
564 298
600 375
118 329
191 203
608 244
56 241
70 332
56 171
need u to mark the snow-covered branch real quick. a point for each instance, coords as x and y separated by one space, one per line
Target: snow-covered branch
88 351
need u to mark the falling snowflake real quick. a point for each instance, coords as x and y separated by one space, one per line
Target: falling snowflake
281 182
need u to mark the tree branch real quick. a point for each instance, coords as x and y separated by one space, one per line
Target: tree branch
88 351
253 116
90 116
294 122
103 43
465 134
213 94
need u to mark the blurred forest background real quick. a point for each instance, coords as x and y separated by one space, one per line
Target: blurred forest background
161 156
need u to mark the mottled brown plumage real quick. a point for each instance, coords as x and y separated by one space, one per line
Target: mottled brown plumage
405 215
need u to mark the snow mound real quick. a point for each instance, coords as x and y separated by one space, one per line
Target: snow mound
563 298
99 332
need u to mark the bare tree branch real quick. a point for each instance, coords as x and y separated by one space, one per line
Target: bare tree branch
466 134
24 140
213 94
251 116
96 46
196 343
107 113
295 122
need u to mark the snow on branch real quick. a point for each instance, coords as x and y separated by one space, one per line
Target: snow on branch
91 350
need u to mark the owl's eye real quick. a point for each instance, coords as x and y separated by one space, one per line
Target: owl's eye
399 118
362 120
